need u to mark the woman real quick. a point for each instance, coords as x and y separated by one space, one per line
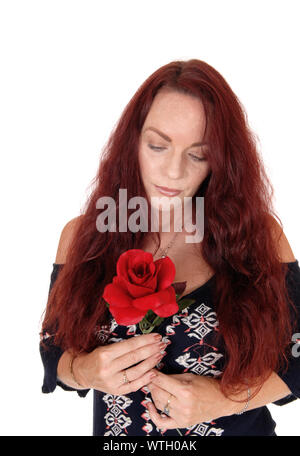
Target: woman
233 350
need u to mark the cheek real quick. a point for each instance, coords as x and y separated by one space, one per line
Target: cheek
147 165
142 163
197 176
198 173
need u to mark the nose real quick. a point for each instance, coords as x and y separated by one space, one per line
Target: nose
174 166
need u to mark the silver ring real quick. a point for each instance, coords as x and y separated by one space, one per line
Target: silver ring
166 411
125 379
166 408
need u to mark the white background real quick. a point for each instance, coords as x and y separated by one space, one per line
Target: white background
68 68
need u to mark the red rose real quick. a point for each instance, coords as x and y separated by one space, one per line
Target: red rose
141 284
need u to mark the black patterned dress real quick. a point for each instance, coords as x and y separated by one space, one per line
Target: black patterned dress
191 347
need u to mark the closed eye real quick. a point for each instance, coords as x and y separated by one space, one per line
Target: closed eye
198 158
194 157
155 147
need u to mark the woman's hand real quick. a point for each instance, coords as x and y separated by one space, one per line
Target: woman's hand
195 399
102 369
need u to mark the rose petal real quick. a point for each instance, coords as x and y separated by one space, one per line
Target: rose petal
129 259
140 256
141 272
136 291
151 282
150 279
128 316
141 279
167 310
127 265
114 294
165 299
167 272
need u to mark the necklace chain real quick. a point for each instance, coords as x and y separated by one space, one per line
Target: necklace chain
165 250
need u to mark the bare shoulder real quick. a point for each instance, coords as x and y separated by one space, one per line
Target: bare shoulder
284 249
65 239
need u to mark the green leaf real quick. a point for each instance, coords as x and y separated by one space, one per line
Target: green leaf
148 323
145 326
151 320
146 329
183 303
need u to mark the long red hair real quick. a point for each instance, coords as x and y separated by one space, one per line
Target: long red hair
250 298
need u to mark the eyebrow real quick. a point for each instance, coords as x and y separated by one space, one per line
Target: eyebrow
164 136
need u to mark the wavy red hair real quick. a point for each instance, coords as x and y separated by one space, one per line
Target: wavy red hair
250 297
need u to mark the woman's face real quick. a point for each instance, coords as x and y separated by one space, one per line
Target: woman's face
171 151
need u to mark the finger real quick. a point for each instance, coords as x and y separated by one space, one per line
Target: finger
185 378
136 384
118 349
160 398
135 357
142 368
168 383
161 421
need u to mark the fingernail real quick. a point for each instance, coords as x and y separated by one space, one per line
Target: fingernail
162 345
159 356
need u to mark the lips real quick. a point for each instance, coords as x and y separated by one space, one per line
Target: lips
168 191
